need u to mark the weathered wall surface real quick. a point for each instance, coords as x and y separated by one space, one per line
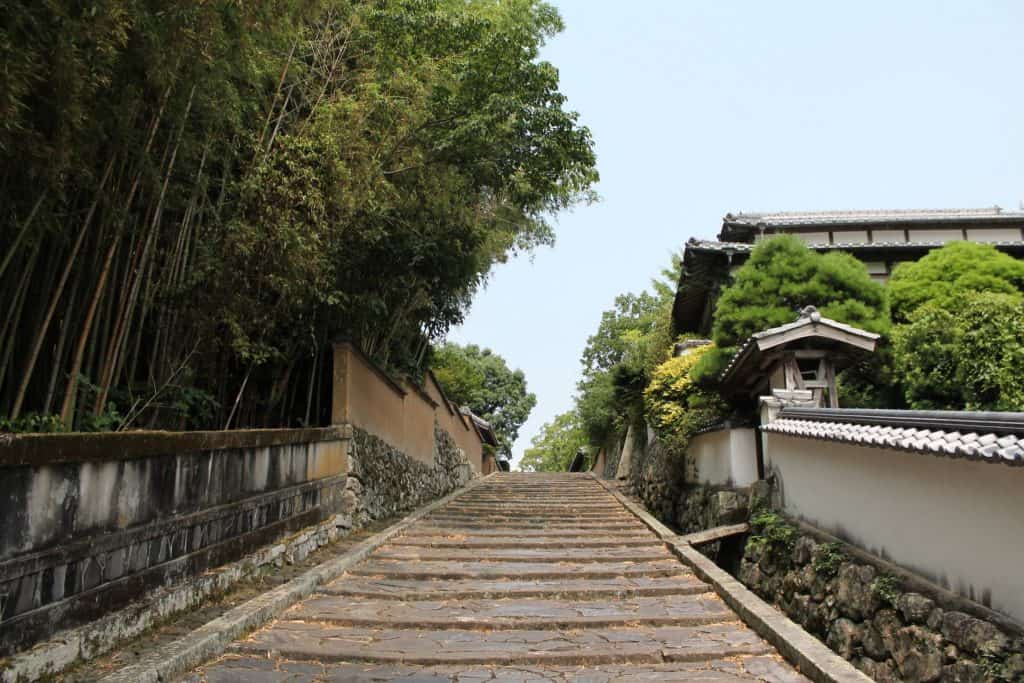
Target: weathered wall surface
954 521
92 522
871 619
384 481
95 522
400 413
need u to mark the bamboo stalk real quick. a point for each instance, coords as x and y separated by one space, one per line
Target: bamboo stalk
37 343
21 233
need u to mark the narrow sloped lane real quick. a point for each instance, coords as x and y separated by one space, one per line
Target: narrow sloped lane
527 577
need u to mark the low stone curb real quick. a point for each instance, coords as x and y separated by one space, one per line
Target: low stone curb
213 638
814 659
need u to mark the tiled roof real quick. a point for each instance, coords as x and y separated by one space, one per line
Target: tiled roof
995 446
809 317
788 218
746 247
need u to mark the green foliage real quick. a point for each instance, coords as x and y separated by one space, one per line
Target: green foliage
557 443
598 411
781 277
32 423
769 530
888 588
675 404
828 558
481 380
944 276
970 358
633 338
267 177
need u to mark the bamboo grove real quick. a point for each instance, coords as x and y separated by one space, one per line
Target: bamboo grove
199 196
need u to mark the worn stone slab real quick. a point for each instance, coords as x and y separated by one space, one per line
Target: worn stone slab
578 526
463 541
536 513
523 613
530 590
652 645
211 639
428 569
468 589
520 554
742 669
483 531
715 534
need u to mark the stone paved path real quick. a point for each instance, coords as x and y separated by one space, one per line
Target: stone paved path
527 577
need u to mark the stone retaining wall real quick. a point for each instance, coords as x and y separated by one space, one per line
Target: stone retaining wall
94 523
383 481
873 618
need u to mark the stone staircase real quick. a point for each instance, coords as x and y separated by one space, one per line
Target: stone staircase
524 577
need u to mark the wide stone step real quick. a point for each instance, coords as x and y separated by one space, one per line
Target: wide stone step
654 551
535 614
505 542
560 501
741 669
684 583
564 518
425 569
580 526
535 511
489 531
650 645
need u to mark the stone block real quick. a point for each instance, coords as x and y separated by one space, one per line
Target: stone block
965 672
887 623
844 637
972 635
882 672
803 550
918 654
855 596
915 607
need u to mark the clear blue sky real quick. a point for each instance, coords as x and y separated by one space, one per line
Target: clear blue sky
701 108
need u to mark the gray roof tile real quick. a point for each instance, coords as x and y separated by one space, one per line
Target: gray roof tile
989 447
787 218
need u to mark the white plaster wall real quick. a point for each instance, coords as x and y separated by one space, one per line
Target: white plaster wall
726 457
959 523
993 234
743 456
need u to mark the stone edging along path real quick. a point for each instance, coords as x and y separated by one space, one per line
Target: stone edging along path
213 638
814 658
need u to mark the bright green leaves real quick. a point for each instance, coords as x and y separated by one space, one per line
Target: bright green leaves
781 277
481 380
944 276
969 358
557 443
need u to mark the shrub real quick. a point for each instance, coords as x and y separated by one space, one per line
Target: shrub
675 404
971 358
782 276
944 276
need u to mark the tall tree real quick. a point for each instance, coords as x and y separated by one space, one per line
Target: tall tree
199 196
482 381
557 443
